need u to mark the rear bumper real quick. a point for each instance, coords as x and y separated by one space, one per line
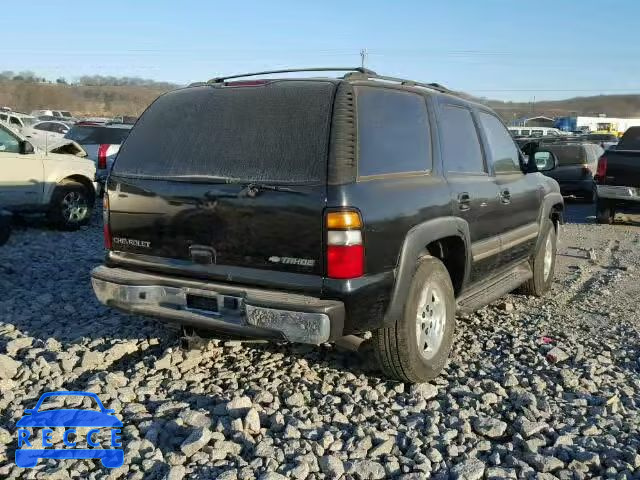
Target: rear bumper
229 309
577 186
614 192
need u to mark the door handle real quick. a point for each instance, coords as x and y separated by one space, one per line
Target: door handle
505 196
464 201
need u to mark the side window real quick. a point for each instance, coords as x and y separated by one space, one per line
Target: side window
393 132
3 116
60 128
45 126
503 152
8 143
459 138
15 121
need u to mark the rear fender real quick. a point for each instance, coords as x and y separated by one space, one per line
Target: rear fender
413 248
548 203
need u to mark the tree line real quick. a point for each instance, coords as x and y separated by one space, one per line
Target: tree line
28 76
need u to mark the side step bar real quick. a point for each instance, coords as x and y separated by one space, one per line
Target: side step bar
495 288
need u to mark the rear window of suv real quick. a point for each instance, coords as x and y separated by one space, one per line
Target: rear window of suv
91 135
569 154
278 132
393 132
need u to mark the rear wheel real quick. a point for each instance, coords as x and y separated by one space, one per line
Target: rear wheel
605 212
416 347
543 263
71 206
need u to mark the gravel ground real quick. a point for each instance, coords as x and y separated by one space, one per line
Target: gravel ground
535 388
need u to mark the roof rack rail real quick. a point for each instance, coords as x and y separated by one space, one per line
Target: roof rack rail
293 70
402 81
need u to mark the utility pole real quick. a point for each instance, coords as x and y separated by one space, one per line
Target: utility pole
363 56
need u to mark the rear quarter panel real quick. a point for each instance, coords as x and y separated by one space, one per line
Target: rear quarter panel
390 207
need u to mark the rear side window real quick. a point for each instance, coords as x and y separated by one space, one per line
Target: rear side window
393 132
277 132
14 121
8 143
459 140
503 152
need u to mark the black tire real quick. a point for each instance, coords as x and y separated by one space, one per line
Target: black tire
396 347
605 212
71 205
540 283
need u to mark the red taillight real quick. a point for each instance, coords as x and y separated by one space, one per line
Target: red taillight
102 156
601 171
107 236
345 251
345 261
246 83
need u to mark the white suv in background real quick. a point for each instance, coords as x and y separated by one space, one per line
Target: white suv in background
17 120
58 184
61 114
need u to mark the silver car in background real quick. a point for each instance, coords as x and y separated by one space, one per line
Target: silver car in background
46 134
101 142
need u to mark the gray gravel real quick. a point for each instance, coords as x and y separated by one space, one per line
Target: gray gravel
535 388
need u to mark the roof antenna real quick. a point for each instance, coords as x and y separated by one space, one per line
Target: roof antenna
363 56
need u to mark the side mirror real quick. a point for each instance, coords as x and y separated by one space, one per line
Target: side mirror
26 148
545 161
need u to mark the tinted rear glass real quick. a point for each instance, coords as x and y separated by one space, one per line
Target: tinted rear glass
276 133
569 154
393 132
90 135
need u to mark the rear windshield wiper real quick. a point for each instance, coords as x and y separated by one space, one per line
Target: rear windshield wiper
253 189
178 178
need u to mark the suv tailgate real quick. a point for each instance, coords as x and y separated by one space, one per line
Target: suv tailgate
623 168
212 179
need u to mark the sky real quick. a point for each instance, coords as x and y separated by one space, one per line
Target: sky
508 50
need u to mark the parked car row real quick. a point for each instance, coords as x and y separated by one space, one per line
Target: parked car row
60 181
100 137
576 161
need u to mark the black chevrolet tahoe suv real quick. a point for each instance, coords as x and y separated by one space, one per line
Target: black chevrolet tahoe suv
307 209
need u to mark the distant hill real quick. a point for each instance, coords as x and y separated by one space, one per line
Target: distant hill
624 106
107 100
110 100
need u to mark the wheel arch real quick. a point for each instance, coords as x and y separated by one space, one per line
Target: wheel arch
428 238
86 182
552 209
